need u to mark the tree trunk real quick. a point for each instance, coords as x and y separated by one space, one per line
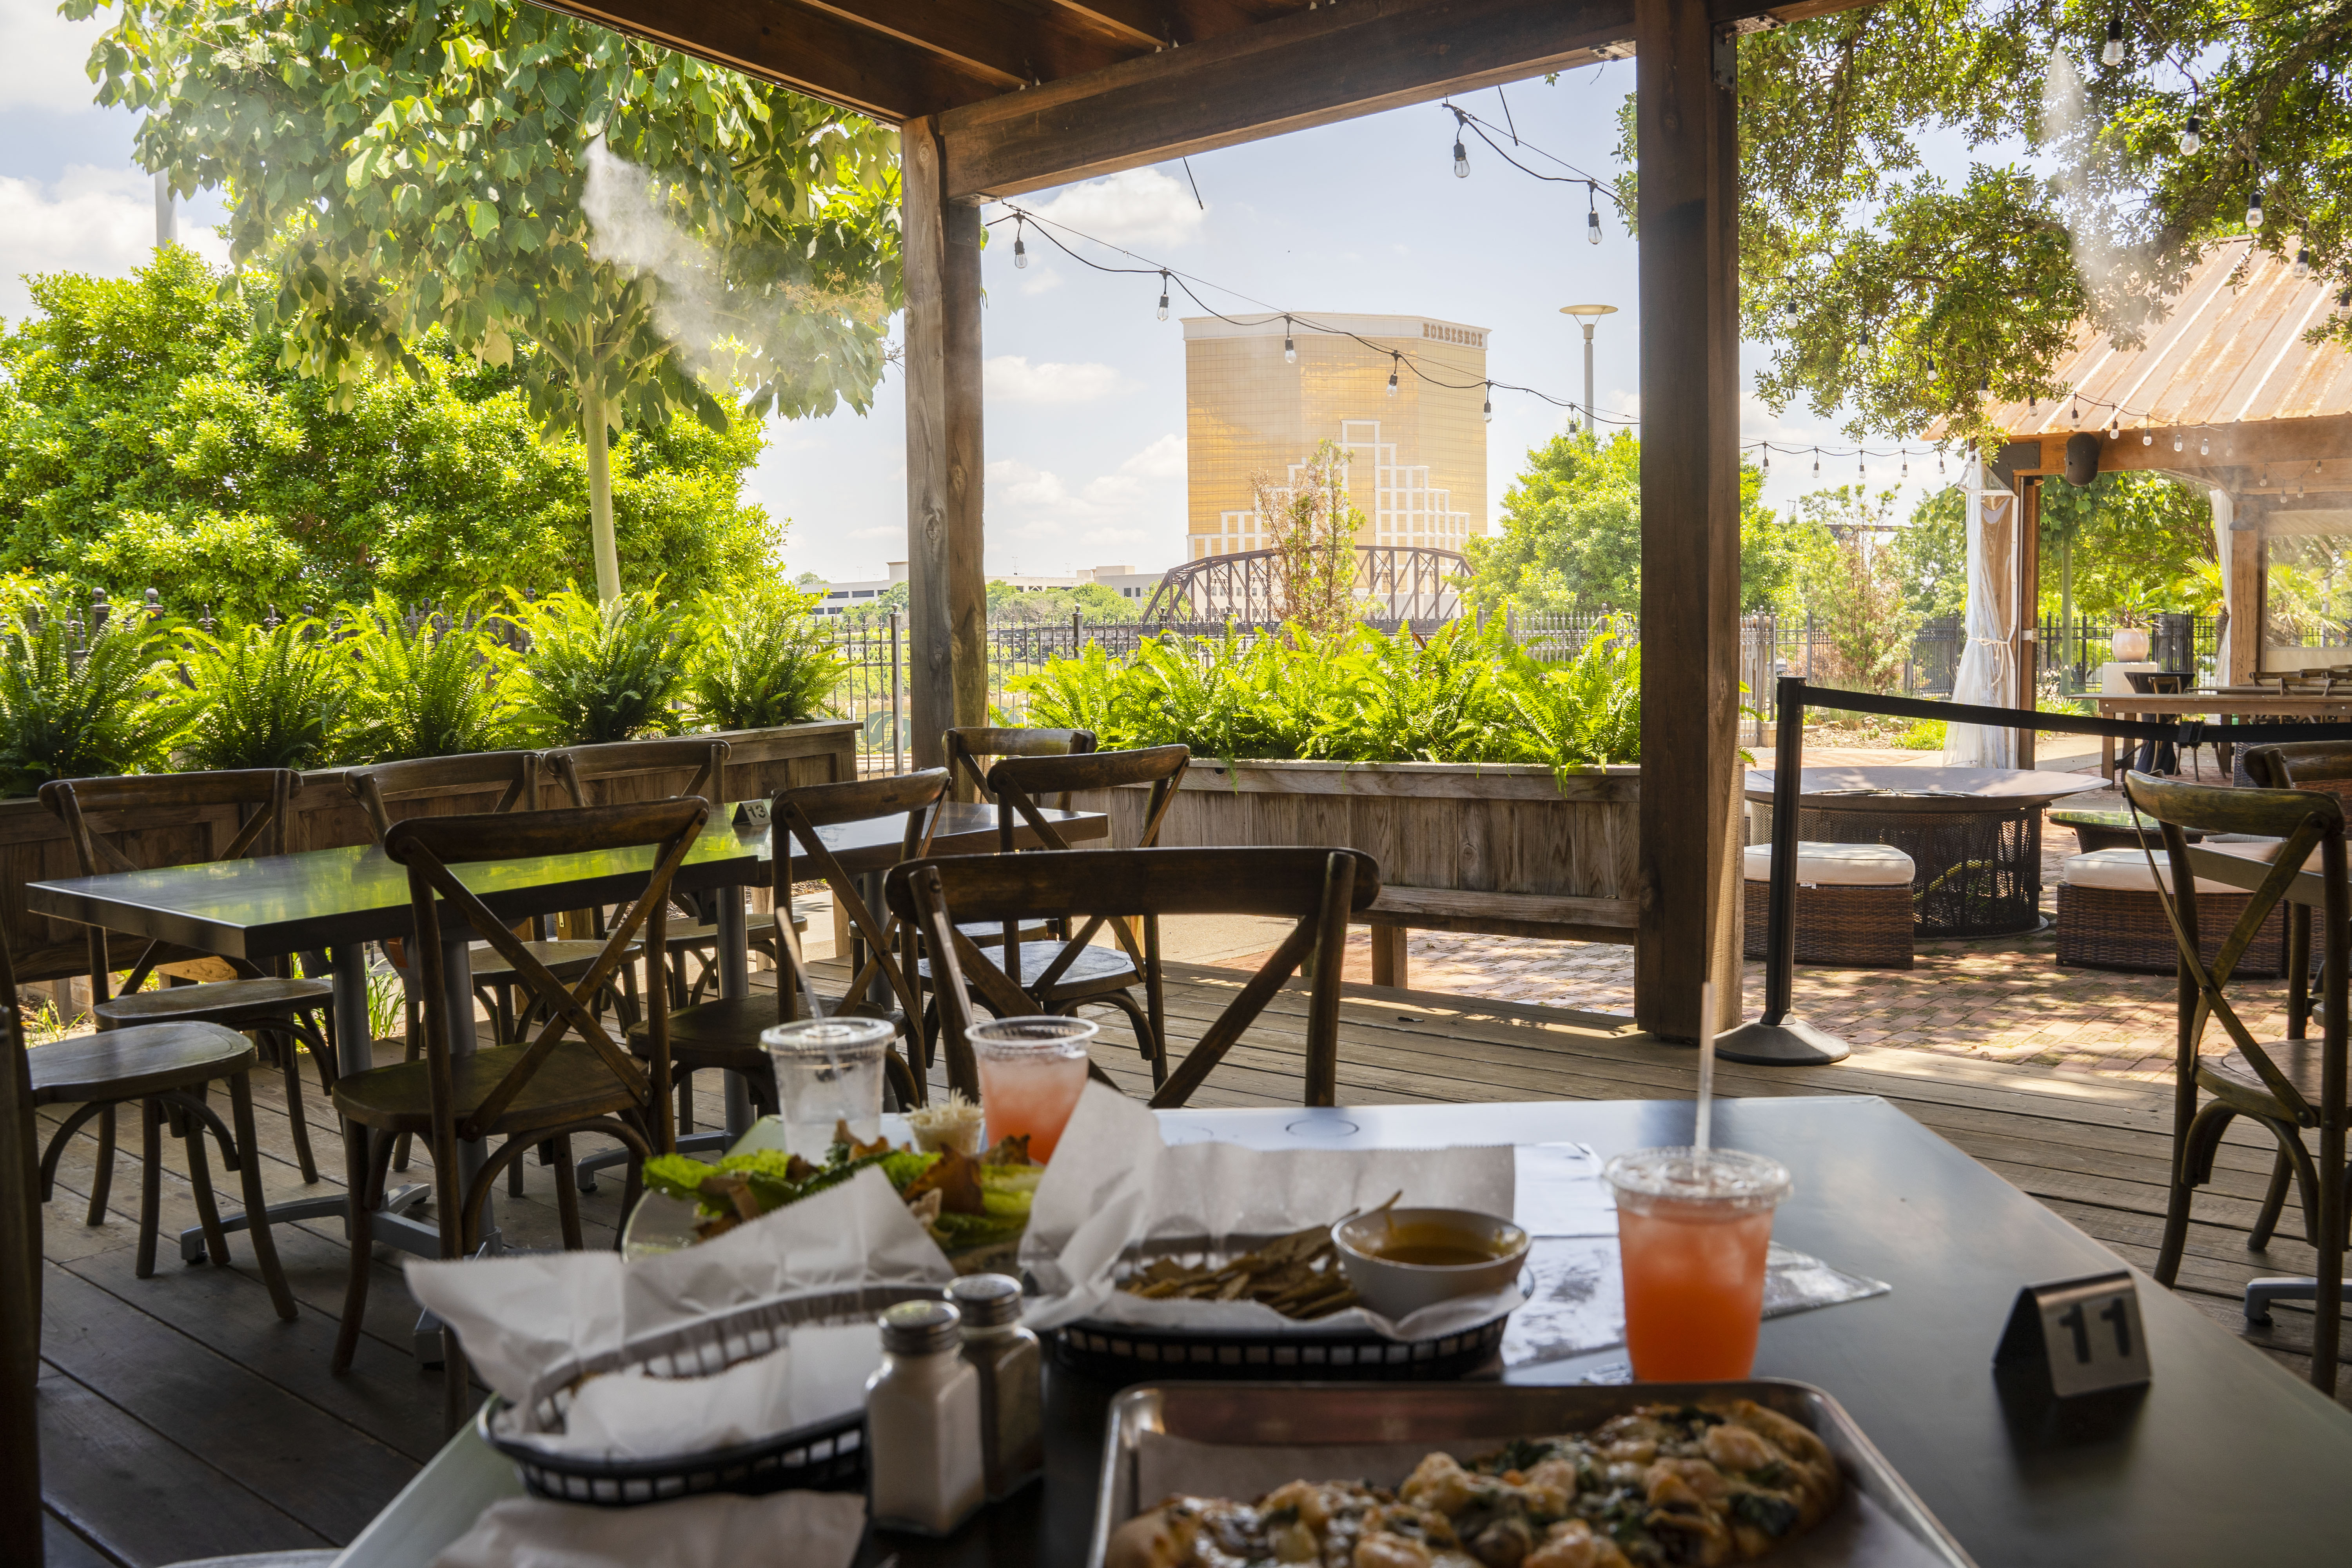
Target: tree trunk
600 495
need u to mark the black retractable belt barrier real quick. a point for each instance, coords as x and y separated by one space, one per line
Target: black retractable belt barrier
1780 1040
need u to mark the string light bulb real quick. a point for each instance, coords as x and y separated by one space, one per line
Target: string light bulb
2194 137
2114 53
1907 465
1289 348
1394 360
1939 462
1592 215
1487 408
1020 247
2302 262
2148 437
1817 462
1461 158
2254 208
1768 457
2177 443
2204 447
2112 431
1163 296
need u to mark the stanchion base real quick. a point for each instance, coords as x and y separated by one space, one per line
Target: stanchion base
1791 1043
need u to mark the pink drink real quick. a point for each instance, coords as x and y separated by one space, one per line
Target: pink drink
1693 1228
1031 1072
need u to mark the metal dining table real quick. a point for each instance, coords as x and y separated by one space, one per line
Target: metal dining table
337 901
2223 1457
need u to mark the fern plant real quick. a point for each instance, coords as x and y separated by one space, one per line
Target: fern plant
599 672
268 698
434 687
1585 713
762 659
108 712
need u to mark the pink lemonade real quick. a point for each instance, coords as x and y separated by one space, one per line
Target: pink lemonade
1031 1093
1694 1290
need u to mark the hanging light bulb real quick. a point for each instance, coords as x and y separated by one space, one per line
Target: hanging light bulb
1768 457
1859 471
2114 53
2192 138
1394 360
2074 411
1289 349
1163 296
1939 462
2254 208
1592 226
2112 431
1487 408
1817 462
1907 465
2177 442
1020 249
1461 159
2302 262
1792 311
2204 447
2148 437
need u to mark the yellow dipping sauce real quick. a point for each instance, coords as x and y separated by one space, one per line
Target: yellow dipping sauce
1430 1246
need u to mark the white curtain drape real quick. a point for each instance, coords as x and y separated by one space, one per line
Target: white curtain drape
1986 674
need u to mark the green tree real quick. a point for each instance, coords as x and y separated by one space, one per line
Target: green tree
1931 554
1571 538
1009 606
658 228
2137 542
1898 292
151 435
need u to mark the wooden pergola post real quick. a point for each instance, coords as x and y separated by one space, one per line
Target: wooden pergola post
947 593
1687 140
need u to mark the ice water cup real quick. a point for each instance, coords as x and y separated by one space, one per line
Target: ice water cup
828 1070
1693 1227
1031 1072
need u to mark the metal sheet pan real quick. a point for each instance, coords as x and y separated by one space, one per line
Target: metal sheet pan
1358 1424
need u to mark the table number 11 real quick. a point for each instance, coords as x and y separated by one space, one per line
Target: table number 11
2083 1334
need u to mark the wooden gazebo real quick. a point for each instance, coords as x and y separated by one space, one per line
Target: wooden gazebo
995 98
2225 393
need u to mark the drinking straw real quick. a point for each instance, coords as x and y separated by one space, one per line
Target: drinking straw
1705 1067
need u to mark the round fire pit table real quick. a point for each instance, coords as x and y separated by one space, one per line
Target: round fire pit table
1974 835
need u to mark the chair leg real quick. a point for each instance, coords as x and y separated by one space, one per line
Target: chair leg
151 1182
364 1158
413 1017
200 1177
101 1186
257 1206
285 1065
567 1196
2274 1204
685 1100
514 1179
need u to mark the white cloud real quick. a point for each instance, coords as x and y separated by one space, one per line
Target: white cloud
1012 379
89 220
44 58
1136 206
1043 281
1163 460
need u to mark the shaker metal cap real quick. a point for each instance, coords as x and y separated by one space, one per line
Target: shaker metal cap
987 1301
921 1328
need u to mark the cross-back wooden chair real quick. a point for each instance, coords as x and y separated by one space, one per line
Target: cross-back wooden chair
725 1033
971 748
262 999
164 1070
2289 1087
572 1076
1066 970
1318 889
588 774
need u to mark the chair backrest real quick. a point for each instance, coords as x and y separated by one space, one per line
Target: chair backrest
1317 888
580 766
20 1277
263 795
797 818
380 783
430 847
2305 819
2325 765
965 747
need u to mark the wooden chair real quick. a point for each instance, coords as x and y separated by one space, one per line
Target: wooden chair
1068 972
543 1092
2289 1085
725 1033
261 1000
164 1069
1318 889
971 750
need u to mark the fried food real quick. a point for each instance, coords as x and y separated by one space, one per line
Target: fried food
1297 1275
1721 1482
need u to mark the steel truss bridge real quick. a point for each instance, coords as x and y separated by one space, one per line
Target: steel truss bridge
1395 586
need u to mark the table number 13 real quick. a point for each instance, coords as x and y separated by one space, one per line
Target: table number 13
2083 1334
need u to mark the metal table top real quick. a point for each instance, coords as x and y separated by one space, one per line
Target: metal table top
1899 788
2226 1457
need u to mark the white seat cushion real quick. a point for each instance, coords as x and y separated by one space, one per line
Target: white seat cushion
2127 871
2247 844
1834 865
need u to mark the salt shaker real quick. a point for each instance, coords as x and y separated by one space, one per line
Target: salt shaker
1010 1364
923 1443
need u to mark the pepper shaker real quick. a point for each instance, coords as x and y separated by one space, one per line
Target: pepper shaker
923 1443
1011 1366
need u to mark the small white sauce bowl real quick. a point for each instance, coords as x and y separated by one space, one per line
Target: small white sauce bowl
1398 1289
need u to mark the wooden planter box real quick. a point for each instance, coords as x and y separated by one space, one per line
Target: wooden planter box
1503 849
327 815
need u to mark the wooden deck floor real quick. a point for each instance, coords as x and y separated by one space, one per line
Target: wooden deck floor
182 1419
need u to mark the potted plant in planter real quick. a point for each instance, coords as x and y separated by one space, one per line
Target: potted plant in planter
2128 642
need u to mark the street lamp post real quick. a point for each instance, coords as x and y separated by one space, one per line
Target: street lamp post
1586 316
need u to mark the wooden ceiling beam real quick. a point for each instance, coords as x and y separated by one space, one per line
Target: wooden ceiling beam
1158 22
1016 42
1307 70
808 49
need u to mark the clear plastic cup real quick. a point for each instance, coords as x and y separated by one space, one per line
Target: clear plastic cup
828 1070
1031 1072
1692 1231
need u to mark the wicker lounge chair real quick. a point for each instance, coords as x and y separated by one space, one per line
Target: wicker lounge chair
1853 904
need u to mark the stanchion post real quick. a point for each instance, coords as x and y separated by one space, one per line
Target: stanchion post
1778 1039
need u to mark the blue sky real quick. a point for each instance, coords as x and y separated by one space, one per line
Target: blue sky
1085 415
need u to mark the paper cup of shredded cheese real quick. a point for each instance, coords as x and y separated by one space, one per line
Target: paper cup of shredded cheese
954 1124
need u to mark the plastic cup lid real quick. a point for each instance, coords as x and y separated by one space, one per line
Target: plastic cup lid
828 1037
1042 1036
1731 1179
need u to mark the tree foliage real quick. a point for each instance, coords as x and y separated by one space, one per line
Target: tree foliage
1911 289
66 715
152 436
403 166
761 658
1311 526
1010 606
598 671
264 698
